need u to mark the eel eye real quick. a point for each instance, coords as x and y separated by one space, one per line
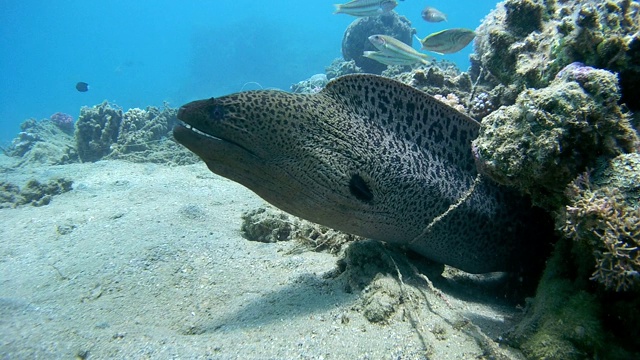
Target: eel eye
216 112
359 188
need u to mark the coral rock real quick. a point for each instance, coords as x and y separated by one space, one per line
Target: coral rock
355 40
549 136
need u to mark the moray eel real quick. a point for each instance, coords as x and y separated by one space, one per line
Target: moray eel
369 156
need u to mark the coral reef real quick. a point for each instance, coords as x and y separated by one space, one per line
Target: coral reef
42 142
481 106
310 86
341 67
96 129
145 136
603 216
34 192
105 132
140 128
451 100
524 43
552 134
355 40
441 78
564 75
63 121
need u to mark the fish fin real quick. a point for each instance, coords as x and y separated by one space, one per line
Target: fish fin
338 9
417 38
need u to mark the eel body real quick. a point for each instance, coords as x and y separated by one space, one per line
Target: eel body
373 157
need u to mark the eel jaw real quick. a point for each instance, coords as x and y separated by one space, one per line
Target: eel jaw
195 140
202 143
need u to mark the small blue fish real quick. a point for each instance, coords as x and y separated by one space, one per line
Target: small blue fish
82 86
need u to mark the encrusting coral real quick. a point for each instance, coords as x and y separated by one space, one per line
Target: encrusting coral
553 134
566 75
524 43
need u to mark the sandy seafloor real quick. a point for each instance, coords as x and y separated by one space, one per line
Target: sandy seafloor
145 261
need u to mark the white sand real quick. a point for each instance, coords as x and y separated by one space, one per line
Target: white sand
143 261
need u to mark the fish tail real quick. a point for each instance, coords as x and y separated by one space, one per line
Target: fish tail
425 59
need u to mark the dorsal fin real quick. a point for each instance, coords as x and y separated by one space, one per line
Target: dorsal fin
412 114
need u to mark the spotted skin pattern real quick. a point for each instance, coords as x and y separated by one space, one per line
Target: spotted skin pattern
369 156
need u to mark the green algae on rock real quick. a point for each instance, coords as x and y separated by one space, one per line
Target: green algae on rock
552 134
569 319
34 192
562 321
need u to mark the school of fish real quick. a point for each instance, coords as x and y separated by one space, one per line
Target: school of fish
392 51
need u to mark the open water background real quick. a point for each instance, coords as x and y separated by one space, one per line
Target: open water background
144 52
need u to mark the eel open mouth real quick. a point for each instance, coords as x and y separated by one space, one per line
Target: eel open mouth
181 126
199 141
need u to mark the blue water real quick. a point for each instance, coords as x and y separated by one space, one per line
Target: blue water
143 52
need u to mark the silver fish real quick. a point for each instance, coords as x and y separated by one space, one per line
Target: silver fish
448 41
362 8
389 59
434 15
395 48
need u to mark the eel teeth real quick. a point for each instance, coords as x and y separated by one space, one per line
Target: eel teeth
200 132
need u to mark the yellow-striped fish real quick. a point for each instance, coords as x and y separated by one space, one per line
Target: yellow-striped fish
389 59
364 8
448 41
395 48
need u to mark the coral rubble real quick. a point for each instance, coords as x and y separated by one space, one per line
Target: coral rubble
268 224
